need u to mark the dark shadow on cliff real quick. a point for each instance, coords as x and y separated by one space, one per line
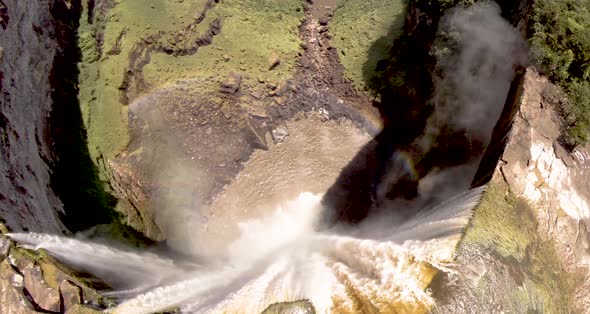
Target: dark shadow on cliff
74 177
391 166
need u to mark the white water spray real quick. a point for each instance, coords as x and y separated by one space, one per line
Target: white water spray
281 258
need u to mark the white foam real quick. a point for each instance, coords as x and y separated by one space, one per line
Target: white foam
281 258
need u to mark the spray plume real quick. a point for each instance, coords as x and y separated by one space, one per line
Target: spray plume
477 53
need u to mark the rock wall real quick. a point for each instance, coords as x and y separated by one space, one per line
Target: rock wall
554 181
27 51
527 245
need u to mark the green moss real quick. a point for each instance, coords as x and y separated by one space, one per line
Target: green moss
364 32
551 283
104 115
20 253
502 223
252 31
507 227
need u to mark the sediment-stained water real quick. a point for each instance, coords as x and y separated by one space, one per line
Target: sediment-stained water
309 159
277 258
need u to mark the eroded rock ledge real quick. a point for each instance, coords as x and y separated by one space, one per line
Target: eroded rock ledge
34 282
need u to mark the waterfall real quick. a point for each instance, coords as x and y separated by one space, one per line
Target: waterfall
281 257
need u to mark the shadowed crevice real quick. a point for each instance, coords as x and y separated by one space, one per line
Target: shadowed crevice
74 176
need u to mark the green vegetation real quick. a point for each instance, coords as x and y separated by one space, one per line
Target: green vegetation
405 75
561 44
506 226
74 177
363 32
251 32
502 223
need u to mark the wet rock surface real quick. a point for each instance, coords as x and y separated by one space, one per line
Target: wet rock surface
33 282
297 307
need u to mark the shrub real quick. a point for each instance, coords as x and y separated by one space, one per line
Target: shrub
561 45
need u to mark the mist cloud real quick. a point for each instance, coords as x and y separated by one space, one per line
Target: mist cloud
477 53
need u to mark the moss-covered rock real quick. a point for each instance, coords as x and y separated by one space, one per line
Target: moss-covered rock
521 272
296 307
503 223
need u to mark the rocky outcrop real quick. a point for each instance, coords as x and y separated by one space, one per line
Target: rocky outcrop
528 242
33 282
297 307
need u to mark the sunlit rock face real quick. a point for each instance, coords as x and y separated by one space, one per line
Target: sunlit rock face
555 182
536 166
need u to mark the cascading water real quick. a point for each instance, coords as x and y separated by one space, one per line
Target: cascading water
282 258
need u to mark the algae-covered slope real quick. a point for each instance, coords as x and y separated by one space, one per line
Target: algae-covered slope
132 46
528 237
364 32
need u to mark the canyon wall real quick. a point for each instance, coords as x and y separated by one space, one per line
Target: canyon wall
27 51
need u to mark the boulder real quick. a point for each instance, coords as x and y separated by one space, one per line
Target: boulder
45 297
273 61
232 83
297 307
255 135
225 111
12 298
70 294
280 133
5 245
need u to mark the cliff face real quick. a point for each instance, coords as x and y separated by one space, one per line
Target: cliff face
528 236
555 182
27 52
